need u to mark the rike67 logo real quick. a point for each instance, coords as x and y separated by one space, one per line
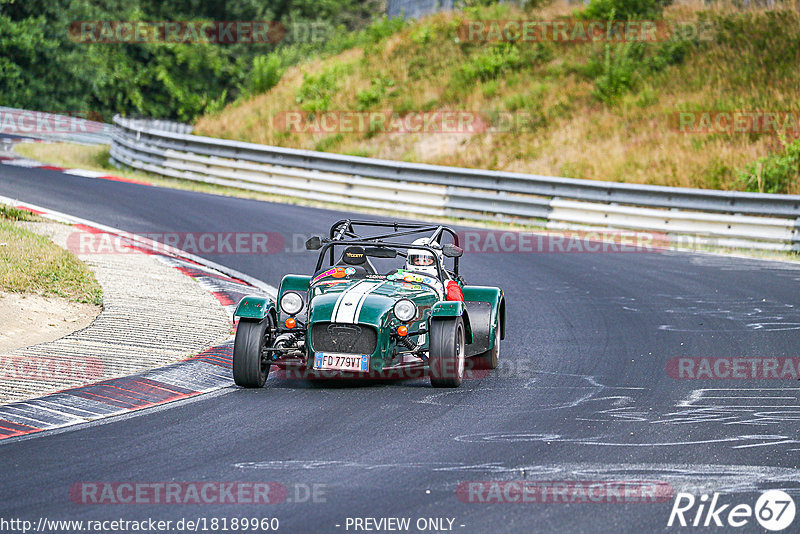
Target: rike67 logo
774 510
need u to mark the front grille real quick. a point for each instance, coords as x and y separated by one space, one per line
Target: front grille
347 338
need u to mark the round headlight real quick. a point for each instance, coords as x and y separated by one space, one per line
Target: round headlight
291 303
405 310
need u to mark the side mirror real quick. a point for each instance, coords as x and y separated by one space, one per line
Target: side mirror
315 243
452 251
380 252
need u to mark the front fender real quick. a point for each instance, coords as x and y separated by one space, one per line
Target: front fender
297 283
453 308
294 282
254 307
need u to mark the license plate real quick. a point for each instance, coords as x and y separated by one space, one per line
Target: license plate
334 361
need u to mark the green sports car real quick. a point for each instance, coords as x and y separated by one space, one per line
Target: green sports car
360 314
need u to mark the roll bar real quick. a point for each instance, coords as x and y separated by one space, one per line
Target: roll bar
347 228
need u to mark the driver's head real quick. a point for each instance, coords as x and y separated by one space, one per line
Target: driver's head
421 260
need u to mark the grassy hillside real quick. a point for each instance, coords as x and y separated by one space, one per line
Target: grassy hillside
588 110
31 263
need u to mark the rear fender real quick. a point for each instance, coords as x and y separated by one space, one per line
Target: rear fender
453 308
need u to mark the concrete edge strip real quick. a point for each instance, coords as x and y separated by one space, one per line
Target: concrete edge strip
206 372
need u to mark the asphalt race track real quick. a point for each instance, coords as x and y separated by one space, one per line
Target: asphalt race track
582 394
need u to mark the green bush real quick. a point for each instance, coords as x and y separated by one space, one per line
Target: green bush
381 29
617 72
490 88
620 67
491 63
423 34
716 176
42 68
368 98
623 9
669 53
328 142
316 91
516 101
267 72
776 173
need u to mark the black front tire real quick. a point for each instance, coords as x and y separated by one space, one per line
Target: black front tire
250 367
446 352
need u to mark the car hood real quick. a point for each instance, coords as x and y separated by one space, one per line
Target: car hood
364 301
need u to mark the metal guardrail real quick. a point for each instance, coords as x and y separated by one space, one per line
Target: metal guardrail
53 127
750 220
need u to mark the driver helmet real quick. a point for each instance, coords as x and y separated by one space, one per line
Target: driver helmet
421 260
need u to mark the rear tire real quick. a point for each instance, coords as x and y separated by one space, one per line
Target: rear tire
491 358
250 367
446 352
